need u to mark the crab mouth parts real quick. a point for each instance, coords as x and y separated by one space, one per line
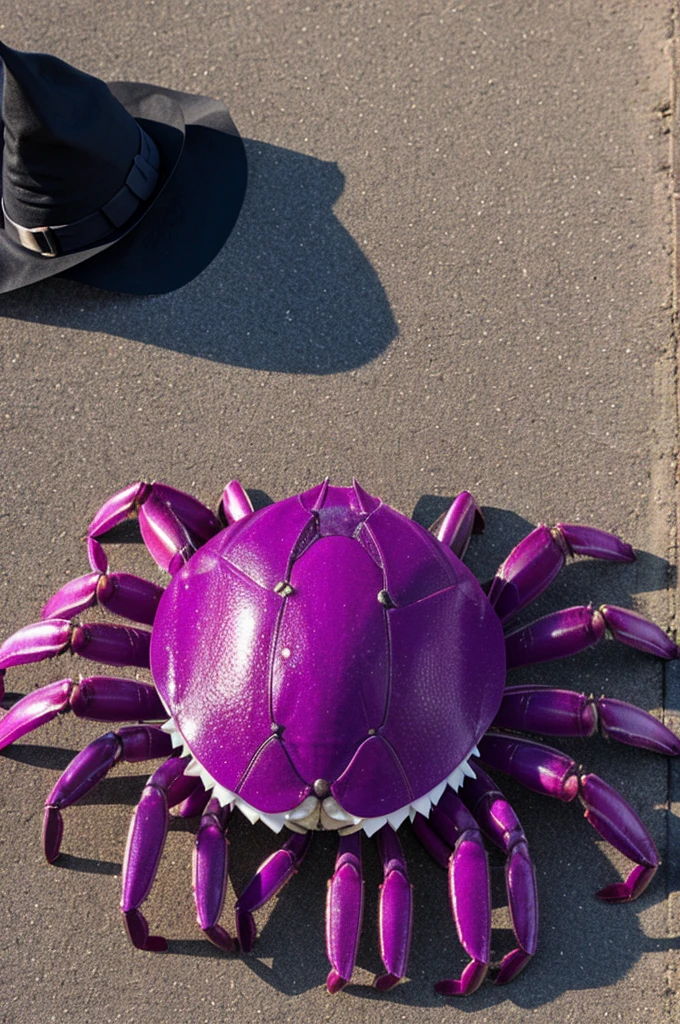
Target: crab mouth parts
315 814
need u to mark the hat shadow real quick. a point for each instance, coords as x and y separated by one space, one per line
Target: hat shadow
291 291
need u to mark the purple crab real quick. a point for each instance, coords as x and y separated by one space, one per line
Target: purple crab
325 663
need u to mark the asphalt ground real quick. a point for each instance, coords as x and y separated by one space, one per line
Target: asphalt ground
453 269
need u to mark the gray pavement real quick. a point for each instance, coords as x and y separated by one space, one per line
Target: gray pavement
453 269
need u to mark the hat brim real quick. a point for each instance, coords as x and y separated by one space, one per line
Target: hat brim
177 234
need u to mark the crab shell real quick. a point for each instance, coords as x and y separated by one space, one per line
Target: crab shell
327 663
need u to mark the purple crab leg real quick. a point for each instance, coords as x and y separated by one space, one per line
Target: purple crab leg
546 770
35 710
146 839
35 642
395 914
435 846
456 526
132 743
469 891
173 523
115 645
499 822
344 912
167 539
98 641
193 806
565 713
101 698
271 876
532 566
574 629
119 507
235 503
210 874
129 596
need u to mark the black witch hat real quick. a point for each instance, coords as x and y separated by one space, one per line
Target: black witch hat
125 186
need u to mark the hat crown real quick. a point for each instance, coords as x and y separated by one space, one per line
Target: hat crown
69 143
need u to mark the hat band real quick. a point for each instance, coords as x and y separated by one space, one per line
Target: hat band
96 227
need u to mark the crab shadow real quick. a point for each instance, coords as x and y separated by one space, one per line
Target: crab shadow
291 291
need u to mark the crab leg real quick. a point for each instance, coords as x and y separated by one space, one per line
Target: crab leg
499 822
469 890
133 743
535 562
565 713
146 839
101 698
194 805
235 503
129 596
456 526
395 915
210 874
98 641
469 872
574 629
546 770
173 524
344 912
271 876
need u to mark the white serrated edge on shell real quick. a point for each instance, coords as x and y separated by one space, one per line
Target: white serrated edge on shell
306 809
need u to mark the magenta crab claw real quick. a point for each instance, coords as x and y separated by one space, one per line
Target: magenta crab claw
73 598
469 981
636 631
636 727
114 511
34 710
